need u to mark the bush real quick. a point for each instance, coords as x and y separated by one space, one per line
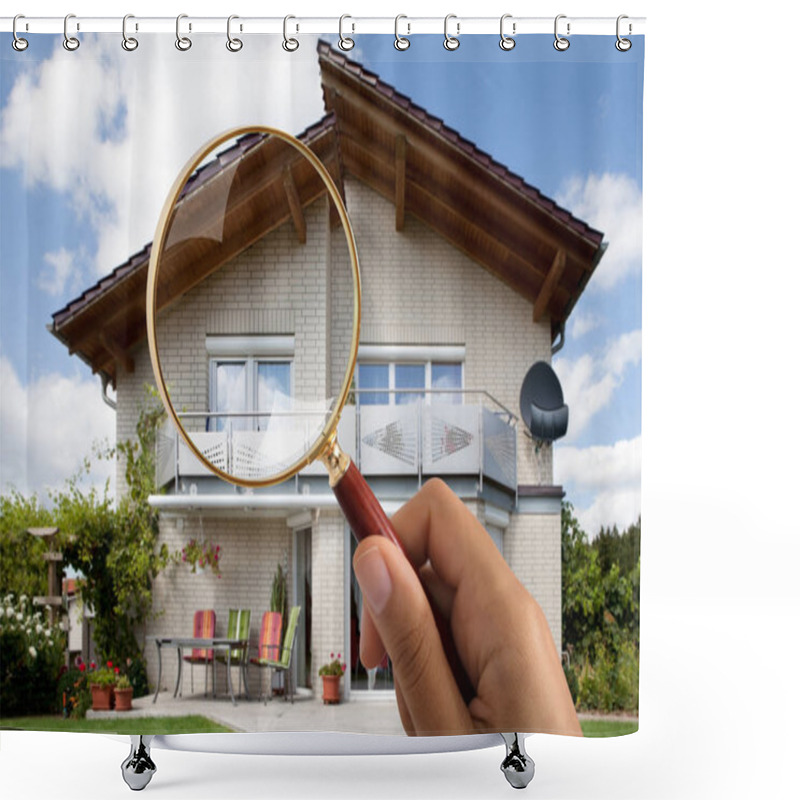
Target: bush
610 682
137 674
74 694
31 655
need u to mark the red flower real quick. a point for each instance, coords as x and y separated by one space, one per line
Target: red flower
82 667
331 655
109 664
338 655
116 670
93 665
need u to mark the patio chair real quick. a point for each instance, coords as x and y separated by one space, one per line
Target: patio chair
238 628
269 644
284 664
203 627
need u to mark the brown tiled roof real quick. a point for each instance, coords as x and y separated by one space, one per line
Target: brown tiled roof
139 261
467 147
379 136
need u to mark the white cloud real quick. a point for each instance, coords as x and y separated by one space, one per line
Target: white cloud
612 203
48 427
114 174
59 273
583 323
589 382
610 474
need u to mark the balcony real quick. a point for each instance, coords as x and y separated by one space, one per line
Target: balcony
449 433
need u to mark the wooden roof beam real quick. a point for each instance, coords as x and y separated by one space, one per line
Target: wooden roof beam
550 283
120 356
399 182
432 145
295 206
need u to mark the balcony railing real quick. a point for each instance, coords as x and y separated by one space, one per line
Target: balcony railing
449 432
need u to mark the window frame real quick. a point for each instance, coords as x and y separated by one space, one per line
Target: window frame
411 355
250 351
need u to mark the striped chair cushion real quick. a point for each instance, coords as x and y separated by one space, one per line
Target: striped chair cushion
205 623
269 641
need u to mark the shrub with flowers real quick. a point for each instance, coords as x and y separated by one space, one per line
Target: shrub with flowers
200 555
334 668
31 655
73 691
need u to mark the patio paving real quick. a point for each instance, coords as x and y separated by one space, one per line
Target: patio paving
365 712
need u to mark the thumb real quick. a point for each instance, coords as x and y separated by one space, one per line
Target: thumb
403 619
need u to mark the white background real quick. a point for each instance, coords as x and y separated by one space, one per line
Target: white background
720 602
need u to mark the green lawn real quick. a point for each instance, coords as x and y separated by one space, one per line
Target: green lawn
199 724
136 725
608 727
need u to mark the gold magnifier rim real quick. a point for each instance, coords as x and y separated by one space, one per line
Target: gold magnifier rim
327 437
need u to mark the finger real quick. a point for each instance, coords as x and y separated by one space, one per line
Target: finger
437 590
371 648
435 525
372 653
403 619
473 584
405 714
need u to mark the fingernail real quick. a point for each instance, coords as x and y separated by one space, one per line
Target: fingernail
374 579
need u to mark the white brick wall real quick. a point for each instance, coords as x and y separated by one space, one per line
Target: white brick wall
327 591
417 289
252 548
532 546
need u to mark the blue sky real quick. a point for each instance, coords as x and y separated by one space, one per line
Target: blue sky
90 141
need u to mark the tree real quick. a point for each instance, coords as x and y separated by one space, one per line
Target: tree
22 567
600 613
115 548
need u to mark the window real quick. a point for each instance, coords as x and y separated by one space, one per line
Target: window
407 374
247 375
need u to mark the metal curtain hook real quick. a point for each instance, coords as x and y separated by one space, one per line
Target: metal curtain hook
128 42
70 42
182 42
506 42
400 42
451 42
623 45
345 42
560 43
18 43
289 45
233 44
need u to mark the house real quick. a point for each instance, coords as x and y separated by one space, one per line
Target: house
468 277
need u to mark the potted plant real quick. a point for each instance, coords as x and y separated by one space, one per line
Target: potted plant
201 556
331 674
278 603
123 694
101 682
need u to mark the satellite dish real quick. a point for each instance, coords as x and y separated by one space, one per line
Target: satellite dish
541 403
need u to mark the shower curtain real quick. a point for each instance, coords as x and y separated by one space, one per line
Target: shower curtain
496 198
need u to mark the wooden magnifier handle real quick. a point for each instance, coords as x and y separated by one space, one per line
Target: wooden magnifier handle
366 518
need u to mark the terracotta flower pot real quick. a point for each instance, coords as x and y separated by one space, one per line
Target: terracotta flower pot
123 699
102 697
330 689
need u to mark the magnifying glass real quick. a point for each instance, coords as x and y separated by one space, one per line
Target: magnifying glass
253 318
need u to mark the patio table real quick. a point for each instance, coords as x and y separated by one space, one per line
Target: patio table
181 643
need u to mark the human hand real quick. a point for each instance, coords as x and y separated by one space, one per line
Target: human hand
499 630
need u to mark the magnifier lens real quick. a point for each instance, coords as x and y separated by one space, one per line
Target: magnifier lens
255 305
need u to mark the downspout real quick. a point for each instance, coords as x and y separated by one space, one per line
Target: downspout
106 399
599 253
561 338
